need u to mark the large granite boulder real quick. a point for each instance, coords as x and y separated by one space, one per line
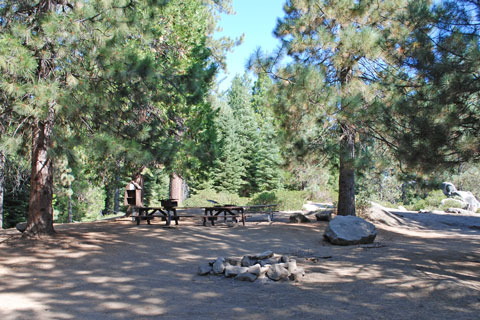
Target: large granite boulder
471 203
350 230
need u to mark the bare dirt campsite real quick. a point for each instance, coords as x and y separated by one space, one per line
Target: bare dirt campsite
421 266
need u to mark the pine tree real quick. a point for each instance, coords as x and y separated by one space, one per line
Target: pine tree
430 110
239 99
107 70
323 92
229 167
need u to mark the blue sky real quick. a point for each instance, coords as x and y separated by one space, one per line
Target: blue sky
256 19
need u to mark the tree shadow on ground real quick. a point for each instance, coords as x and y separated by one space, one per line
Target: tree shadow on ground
117 270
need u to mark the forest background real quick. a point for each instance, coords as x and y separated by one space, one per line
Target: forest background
378 101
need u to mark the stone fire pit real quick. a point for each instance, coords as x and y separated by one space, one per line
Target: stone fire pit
266 265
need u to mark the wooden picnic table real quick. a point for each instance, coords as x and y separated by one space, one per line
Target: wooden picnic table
148 213
169 212
212 213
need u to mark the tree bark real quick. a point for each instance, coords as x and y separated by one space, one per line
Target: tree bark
107 202
176 187
346 181
2 186
116 201
70 212
40 210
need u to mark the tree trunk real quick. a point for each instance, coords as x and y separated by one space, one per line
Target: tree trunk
176 187
70 212
40 210
346 181
107 207
116 201
2 186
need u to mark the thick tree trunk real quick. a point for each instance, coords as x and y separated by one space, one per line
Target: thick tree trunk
346 181
40 210
2 186
176 187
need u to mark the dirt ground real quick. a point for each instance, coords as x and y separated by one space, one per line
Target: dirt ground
118 270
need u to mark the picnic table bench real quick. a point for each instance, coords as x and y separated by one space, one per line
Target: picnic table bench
233 211
169 213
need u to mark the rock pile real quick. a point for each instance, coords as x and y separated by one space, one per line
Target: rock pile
265 265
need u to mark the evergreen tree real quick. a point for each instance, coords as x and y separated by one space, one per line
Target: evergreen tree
268 161
431 92
229 167
107 70
323 95
239 99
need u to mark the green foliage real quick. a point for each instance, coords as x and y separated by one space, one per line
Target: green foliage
199 199
267 197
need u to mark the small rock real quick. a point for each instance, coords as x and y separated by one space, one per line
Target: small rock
284 259
277 272
297 275
21 226
248 261
255 269
204 269
272 260
232 271
246 276
298 218
263 255
234 261
263 271
324 215
292 266
219 266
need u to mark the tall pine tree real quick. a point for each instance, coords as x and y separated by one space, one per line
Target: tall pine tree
323 95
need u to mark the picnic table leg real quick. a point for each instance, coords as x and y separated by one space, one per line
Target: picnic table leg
205 218
175 216
169 218
243 216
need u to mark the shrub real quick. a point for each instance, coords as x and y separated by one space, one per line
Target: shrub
200 199
267 197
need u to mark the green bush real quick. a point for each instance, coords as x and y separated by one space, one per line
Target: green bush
267 197
431 202
200 199
287 200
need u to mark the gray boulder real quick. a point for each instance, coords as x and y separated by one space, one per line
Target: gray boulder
219 266
246 276
204 269
21 226
277 272
472 204
232 271
298 218
324 215
350 230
